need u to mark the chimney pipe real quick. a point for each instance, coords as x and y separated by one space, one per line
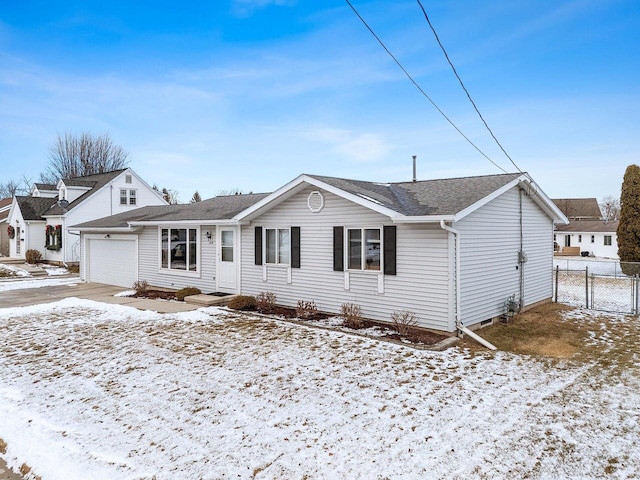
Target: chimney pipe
414 168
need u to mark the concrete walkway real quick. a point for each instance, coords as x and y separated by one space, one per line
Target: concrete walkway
89 291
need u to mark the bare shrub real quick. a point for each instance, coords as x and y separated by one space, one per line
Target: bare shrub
141 286
242 302
187 291
306 310
32 256
3 446
404 322
266 302
352 315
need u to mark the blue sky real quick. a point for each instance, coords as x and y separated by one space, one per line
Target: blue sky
248 94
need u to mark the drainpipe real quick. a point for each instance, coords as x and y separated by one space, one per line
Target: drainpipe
459 324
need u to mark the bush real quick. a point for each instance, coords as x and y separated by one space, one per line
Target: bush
352 315
186 291
242 302
404 322
306 310
140 286
266 302
32 256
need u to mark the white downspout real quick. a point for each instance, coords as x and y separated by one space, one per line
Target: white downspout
459 324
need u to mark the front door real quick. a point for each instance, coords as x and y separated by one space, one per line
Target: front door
18 242
227 260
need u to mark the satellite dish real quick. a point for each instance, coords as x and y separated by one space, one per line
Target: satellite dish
63 203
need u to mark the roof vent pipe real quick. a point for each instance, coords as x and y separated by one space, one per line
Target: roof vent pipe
414 168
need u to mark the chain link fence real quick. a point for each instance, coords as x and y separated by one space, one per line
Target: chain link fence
598 285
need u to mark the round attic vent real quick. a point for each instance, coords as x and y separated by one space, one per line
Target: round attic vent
315 201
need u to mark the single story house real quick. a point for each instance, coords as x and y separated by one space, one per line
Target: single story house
598 238
39 221
451 251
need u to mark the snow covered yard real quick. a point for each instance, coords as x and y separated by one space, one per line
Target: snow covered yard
89 390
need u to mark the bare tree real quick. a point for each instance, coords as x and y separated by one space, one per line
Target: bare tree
229 191
610 207
170 196
13 188
196 198
76 156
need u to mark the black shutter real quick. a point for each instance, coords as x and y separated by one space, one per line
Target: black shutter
295 247
338 249
258 245
389 241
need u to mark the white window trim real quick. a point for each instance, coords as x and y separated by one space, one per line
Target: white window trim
363 252
264 246
128 197
171 271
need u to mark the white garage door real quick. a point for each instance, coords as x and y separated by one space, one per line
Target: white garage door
112 261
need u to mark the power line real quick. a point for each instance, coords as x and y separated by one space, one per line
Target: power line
420 89
465 88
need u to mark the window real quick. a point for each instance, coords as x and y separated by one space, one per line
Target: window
593 238
278 247
179 249
607 240
127 179
364 248
281 245
579 238
128 197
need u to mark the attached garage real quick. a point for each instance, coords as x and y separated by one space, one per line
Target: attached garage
112 260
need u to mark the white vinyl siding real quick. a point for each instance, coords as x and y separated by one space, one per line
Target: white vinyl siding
421 284
489 245
150 270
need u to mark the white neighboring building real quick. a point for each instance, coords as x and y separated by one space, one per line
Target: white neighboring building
41 220
597 237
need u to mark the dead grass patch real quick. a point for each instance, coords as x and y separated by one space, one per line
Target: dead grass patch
539 331
3 446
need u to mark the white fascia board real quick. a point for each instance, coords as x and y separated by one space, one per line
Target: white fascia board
102 229
300 183
537 195
424 219
196 223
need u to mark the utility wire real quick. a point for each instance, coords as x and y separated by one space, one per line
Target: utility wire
465 88
421 90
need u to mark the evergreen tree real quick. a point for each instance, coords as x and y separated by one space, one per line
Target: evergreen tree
629 226
196 198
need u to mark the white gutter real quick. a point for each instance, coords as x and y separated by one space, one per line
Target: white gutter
459 324
195 223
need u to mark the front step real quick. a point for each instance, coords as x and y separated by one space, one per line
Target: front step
208 300
20 263
12 260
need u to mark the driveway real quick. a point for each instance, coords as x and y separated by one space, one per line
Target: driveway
90 291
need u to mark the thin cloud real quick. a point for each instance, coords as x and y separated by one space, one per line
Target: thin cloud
245 8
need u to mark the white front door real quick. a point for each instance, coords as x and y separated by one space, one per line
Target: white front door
227 260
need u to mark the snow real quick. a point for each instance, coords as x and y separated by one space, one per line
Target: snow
53 270
89 390
597 266
18 271
37 283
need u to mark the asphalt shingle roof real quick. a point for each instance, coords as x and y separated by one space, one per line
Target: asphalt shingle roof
584 208
33 208
95 182
426 197
217 208
588 226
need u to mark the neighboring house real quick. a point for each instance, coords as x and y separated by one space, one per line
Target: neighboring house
40 220
598 238
5 206
579 208
451 251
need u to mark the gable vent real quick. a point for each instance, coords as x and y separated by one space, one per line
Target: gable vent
315 201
